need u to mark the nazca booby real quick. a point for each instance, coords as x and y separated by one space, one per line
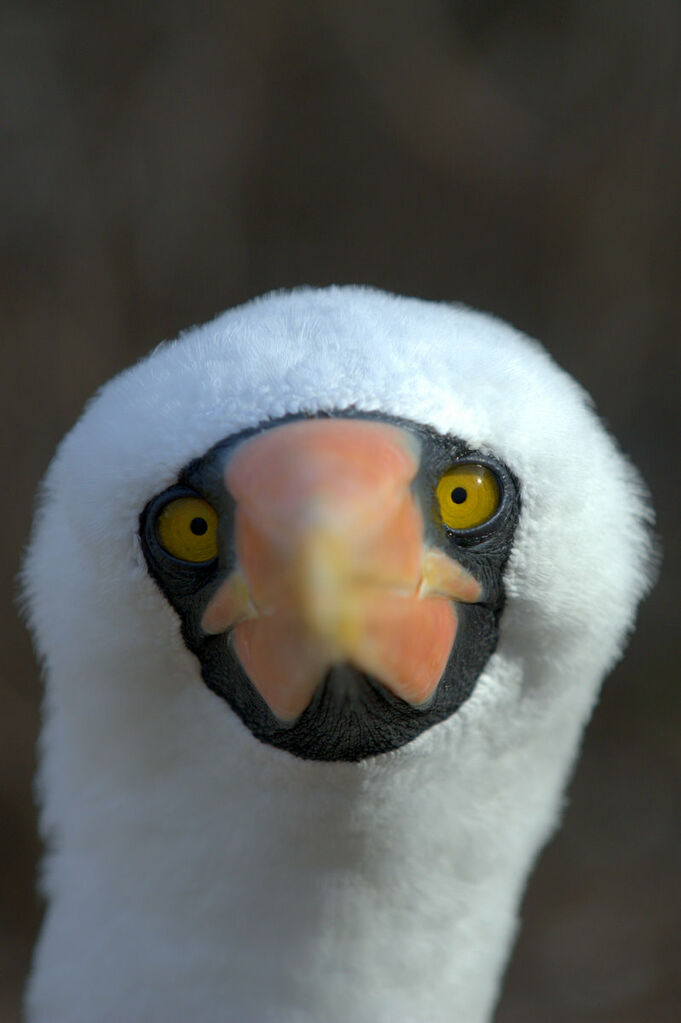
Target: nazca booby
324 592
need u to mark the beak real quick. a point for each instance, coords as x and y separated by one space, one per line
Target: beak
331 564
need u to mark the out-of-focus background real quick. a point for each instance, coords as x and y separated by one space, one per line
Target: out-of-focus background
163 161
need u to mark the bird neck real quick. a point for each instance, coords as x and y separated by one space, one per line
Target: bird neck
213 871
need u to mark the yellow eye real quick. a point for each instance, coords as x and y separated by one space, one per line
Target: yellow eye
468 496
187 528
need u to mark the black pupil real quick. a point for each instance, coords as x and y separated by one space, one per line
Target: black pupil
459 495
198 526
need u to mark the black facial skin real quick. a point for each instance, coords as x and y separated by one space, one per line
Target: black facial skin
352 716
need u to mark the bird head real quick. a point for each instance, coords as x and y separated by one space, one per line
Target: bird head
354 513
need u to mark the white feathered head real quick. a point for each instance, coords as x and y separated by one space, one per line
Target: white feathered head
385 488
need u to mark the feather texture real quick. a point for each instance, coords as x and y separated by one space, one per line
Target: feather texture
193 872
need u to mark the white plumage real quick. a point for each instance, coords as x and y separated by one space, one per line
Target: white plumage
194 872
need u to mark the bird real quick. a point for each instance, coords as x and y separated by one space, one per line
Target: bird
324 592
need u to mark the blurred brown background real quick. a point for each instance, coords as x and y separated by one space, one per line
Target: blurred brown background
162 162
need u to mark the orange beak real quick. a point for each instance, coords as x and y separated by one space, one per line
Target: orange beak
331 564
